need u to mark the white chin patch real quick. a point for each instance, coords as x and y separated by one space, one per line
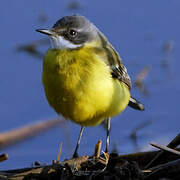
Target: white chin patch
58 42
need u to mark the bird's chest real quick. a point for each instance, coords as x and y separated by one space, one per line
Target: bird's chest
78 87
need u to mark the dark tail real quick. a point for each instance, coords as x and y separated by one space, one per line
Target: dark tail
135 104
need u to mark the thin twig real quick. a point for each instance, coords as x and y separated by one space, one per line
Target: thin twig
3 157
164 170
139 80
19 134
97 149
106 155
173 144
165 148
59 153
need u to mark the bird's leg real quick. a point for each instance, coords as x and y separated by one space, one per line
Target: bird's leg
78 142
108 131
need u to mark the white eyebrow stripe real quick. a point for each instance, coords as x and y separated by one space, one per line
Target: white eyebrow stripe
58 42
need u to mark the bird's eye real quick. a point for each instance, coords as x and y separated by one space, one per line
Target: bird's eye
72 32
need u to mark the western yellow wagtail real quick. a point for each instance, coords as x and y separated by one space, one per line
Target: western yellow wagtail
83 75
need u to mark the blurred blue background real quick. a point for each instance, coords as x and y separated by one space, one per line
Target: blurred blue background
145 33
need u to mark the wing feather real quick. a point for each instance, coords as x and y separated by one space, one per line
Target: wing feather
118 70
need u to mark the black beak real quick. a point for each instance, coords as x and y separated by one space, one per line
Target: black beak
45 31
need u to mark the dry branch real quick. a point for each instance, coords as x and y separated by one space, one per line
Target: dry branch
97 150
3 157
165 148
85 167
173 144
129 167
170 170
13 136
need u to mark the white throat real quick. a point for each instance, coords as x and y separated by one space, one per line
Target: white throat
58 42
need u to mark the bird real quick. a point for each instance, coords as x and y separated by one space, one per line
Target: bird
83 75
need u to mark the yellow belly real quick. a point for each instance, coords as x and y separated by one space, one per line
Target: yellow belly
79 86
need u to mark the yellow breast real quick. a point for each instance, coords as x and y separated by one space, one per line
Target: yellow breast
78 85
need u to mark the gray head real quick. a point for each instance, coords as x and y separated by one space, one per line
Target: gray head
71 32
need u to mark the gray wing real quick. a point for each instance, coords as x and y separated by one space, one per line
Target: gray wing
118 70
